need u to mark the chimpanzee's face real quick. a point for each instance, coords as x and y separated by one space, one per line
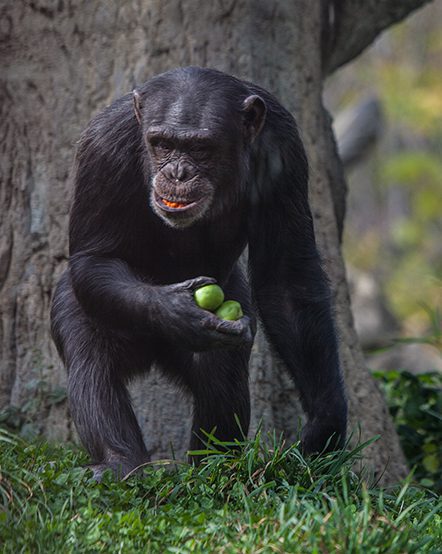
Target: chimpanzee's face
198 154
187 170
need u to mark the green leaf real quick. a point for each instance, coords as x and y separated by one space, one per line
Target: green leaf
431 463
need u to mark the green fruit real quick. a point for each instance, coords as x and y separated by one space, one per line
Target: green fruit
209 297
230 310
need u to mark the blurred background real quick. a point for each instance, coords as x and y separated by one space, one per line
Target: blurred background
387 109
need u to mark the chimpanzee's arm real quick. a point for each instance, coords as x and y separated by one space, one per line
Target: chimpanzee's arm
292 293
111 293
108 185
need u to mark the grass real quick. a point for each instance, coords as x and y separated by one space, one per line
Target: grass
251 499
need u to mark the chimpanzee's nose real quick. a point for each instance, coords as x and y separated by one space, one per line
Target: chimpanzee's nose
179 171
182 171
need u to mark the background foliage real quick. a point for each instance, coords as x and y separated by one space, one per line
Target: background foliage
396 235
415 402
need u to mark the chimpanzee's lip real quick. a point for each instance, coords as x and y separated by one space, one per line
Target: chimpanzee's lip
173 205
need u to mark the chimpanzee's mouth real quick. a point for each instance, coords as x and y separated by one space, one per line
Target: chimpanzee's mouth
173 205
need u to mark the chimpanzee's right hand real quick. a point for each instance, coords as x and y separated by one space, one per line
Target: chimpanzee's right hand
179 318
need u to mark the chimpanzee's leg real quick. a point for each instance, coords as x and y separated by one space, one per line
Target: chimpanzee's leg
220 387
99 363
218 379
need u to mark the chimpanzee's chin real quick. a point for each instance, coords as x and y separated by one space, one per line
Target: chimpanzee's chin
178 220
178 223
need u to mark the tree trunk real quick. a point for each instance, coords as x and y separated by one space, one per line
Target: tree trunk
65 60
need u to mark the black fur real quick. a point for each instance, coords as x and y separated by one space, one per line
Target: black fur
126 300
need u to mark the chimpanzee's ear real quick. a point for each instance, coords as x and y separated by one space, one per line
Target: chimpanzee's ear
137 104
254 114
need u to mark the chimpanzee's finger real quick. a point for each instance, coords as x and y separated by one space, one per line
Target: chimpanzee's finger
196 283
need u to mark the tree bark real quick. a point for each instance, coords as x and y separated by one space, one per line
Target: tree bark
352 25
62 61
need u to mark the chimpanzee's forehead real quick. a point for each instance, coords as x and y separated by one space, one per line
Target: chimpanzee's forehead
193 103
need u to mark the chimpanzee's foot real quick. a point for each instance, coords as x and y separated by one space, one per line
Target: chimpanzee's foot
323 436
119 468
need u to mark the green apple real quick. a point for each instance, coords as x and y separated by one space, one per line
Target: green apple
230 310
209 297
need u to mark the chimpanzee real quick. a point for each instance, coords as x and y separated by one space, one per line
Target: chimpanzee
172 182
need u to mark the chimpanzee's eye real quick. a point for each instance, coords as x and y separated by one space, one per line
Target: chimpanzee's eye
161 145
201 153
